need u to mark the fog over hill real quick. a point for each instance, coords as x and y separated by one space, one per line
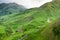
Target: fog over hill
27 3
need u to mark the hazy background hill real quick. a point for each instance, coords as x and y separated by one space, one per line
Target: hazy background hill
10 8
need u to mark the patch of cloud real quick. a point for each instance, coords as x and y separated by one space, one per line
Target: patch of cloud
27 3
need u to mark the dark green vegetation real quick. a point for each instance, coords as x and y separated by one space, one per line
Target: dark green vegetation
33 24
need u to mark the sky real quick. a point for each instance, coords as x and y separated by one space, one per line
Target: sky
27 3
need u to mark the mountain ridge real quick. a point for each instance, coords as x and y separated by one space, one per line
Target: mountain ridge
6 8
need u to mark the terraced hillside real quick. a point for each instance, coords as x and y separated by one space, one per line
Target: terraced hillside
41 23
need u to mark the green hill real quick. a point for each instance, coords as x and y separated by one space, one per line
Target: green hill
41 23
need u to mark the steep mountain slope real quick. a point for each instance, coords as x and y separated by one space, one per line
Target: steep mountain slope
9 8
34 24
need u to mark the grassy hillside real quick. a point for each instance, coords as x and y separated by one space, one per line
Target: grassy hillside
41 23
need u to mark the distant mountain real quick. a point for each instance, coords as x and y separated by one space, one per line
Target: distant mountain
9 8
